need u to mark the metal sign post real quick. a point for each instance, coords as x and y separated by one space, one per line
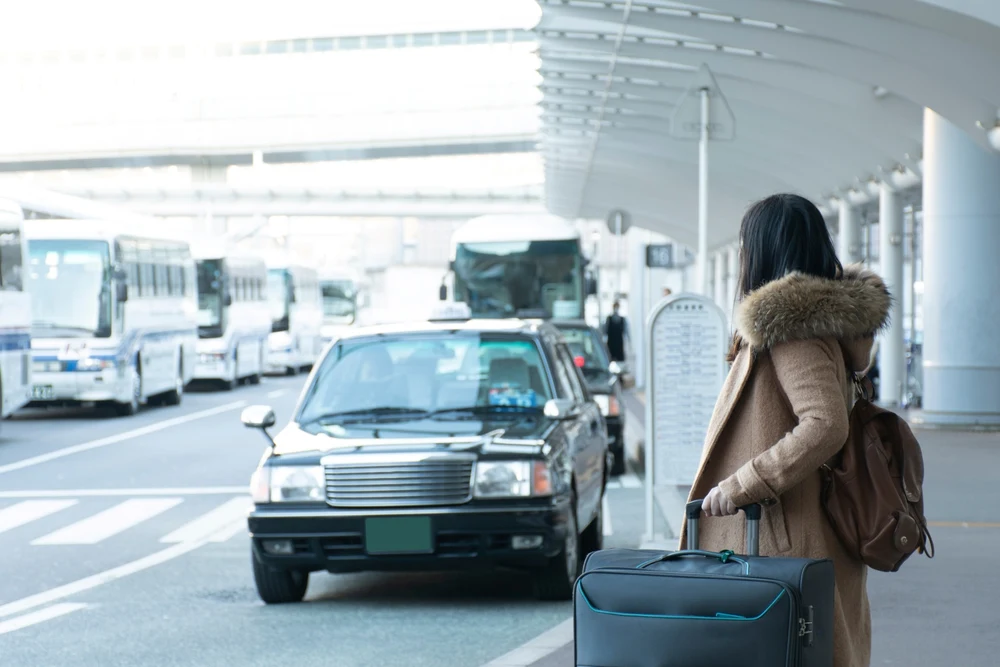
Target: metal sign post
618 223
685 369
703 114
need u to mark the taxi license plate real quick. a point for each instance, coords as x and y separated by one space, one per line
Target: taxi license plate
399 535
42 392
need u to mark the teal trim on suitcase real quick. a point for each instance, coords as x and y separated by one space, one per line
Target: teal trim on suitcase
719 616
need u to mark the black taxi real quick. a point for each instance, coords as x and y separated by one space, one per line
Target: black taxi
431 446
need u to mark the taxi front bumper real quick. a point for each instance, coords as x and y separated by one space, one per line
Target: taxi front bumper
462 537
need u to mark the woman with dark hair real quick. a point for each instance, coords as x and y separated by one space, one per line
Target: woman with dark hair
803 324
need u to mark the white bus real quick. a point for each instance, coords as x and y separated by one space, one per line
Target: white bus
15 313
344 295
114 315
296 310
519 265
234 320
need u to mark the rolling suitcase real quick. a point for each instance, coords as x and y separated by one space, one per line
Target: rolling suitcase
693 608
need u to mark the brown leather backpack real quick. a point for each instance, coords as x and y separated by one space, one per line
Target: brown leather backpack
873 491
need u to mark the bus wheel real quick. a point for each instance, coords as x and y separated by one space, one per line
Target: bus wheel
173 397
132 407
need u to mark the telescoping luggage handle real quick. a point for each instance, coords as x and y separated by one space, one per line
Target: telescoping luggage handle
752 512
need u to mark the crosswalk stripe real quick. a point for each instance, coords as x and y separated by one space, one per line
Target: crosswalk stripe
210 522
40 616
110 522
30 510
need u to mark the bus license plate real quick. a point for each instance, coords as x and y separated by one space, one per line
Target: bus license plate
42 392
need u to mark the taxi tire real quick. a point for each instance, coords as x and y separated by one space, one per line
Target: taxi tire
276 586
555 582
593 535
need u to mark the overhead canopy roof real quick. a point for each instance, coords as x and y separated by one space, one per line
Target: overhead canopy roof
826 97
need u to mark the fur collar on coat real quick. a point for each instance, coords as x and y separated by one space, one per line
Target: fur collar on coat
852 308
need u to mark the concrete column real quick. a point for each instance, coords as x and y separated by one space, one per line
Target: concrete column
636 311
732 277
961 274
892 356
721 266
849 236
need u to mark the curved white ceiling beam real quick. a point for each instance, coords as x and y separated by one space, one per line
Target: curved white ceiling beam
873 122
766 133
932 88
939 55
887 142
790 76
963 20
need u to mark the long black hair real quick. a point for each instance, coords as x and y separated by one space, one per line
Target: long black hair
781 234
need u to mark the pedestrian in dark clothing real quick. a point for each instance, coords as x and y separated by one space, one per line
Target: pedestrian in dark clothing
615 333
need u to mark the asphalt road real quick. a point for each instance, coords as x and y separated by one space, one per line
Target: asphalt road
123 542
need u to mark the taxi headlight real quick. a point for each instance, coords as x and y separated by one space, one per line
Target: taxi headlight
291 484
512 479
608 405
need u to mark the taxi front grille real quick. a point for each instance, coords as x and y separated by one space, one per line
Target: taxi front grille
445 480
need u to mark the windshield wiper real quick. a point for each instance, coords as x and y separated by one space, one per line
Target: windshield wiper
485 409
347 415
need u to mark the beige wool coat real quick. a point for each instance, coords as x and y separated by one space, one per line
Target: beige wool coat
782 413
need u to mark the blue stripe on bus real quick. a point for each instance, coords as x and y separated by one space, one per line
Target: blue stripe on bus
12 340
126 347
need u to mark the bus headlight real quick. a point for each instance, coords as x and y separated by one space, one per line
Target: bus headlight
91 364
512 479
212 357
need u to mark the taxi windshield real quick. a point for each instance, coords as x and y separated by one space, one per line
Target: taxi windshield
584 343
427 373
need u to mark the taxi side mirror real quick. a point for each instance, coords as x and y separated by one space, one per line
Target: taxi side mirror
261 417
559 409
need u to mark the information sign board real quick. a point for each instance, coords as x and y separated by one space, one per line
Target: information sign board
687 338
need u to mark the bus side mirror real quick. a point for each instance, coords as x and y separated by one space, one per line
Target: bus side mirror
227 300
591 285
121 292
443 293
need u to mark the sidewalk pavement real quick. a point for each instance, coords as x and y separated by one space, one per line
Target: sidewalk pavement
939 611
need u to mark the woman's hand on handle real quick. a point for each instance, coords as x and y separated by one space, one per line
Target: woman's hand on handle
717 503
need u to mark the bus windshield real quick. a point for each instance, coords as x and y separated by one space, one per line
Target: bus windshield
498 279
211 284
278 291
70 286
338 301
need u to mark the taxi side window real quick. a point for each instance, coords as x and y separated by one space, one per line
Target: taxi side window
576 385
566 387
